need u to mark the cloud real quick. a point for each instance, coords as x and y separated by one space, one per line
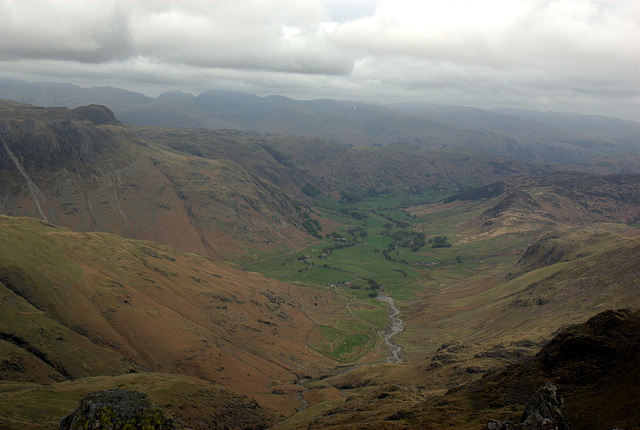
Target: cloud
241 36
512 35
501 50
47 30
253 35
479 52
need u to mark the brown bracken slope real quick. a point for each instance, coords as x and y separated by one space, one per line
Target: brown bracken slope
75 305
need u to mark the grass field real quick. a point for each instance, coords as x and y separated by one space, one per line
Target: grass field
361 258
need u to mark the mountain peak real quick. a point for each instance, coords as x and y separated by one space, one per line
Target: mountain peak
97 114
175 94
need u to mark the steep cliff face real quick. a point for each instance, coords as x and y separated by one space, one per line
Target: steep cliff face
51 146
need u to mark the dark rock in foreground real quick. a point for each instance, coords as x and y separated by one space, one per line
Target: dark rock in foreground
116 409
596 365
545 410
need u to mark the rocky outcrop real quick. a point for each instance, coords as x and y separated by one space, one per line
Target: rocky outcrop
96 114
449 352
545 411
519 199
603 352
585 354
499 425
116 409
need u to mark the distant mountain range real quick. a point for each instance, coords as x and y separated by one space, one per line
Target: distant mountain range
519 134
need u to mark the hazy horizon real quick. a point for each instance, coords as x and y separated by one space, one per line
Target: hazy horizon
159 92
563 56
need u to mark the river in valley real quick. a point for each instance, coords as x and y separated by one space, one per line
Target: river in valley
395 351
395 328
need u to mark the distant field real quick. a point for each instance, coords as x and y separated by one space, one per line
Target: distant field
359 259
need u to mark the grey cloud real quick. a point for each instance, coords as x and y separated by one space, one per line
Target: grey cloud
575 47
83 33
244 36
497 34
476 52
250 35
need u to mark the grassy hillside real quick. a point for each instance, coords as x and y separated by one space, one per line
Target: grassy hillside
466 322
557 200
171 312
291 161
595 271
468 308
87 304
593 364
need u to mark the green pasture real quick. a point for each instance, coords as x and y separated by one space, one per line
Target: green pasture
365 260
346 340
400 273
403 274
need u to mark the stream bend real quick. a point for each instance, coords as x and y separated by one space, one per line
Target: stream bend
395 328
394 349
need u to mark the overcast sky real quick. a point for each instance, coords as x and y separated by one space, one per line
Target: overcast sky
578 56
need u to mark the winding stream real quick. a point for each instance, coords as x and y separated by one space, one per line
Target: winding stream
394 349
395 328
300 396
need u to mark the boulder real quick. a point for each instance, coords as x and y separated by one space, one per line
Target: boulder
499 425
545 410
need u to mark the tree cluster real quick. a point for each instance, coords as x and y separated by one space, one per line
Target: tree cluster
439 242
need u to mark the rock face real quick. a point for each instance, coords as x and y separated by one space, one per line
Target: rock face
499 425
116 409
545 411
449 352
